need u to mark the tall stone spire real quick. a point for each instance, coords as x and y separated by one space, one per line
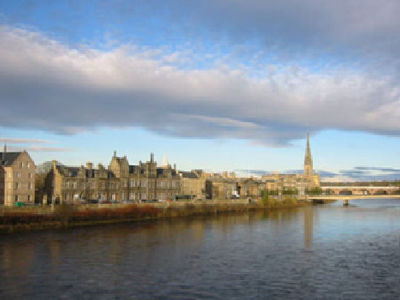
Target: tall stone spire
165 163
308 162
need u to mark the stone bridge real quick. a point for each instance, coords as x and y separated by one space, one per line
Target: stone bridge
361 190
347 198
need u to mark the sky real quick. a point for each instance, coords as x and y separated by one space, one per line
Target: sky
215 84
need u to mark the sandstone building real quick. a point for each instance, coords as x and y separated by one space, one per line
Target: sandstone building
117 183
295 182
194 184
17 178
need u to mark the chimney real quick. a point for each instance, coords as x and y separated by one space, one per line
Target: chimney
152 157
115 153
89 165
3 157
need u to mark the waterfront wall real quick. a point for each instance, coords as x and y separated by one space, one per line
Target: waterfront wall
65 216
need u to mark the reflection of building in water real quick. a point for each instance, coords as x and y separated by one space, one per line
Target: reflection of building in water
55 252
308 227
17 259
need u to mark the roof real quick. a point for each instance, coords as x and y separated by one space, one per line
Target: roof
188 175
9 158
68 171
74 172
164 171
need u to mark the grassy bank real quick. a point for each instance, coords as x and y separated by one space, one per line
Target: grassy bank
66 216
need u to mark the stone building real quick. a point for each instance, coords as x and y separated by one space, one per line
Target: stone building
119 182
250 187
220 188
17 178
294 182
194 184
284 182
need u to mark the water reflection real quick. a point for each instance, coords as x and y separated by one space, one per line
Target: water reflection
312 252
308 213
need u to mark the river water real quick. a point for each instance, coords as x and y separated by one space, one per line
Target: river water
319 252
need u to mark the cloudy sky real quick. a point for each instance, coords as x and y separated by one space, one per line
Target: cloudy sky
215 84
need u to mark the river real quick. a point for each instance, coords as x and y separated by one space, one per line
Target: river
319 252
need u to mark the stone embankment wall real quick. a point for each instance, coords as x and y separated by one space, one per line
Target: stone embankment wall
65 216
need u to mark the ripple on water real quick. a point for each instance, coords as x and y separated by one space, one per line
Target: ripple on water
320 252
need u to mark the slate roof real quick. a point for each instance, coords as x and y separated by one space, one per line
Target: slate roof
74 171
162 171
188 174
68 171
9 158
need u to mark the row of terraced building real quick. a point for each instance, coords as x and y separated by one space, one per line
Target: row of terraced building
122 182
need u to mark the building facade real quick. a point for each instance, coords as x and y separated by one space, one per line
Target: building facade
294 183
119 182
17 178
194 184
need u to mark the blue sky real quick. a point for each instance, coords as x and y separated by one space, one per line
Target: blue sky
220 85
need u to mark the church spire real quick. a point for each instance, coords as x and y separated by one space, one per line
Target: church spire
165 163
308 163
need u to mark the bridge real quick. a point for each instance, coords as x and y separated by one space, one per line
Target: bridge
347 198
361 190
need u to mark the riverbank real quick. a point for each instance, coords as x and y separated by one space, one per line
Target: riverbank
67 216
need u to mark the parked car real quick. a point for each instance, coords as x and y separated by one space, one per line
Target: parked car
149 201
127 201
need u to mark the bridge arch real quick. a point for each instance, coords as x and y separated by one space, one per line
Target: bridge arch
345 192
381 192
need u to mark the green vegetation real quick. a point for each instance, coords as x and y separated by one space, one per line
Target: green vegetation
289 191
269 200
314 191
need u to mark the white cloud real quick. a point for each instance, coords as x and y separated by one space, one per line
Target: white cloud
49 86
24 141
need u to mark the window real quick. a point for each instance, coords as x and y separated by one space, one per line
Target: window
21 164
16 198
29 198
16 185
132 183
29 186
18 174
28 165
30 175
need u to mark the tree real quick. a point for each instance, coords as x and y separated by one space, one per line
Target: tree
314 191
289 191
